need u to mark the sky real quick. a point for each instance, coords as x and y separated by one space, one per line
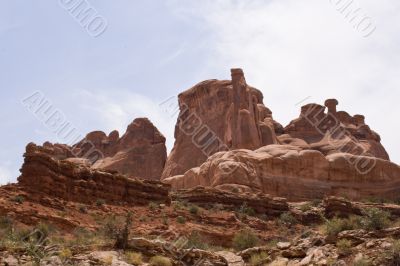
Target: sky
127 59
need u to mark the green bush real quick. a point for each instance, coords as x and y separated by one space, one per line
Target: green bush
100 202
245 239
344 247
181 219
153 206
19 199
287 218
337 225
246 210
194 209
160 261
376 219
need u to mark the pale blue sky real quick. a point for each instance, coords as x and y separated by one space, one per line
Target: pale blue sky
152 50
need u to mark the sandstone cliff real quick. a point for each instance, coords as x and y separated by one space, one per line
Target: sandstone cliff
41 174
218 116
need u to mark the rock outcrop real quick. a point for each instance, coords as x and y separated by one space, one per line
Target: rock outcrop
290 172
218 116
140 152
260 203
333 131
43 174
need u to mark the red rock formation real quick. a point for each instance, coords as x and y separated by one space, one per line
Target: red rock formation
333 132
290 172
43 174
207 197
216 116
140 152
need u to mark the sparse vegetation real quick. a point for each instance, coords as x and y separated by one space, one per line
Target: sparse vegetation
160 261
133 258
306 207
287 218
246 210
344 247
181 219
376 219
123 235
19 199
245 239
336 225
153 206
259 259
100 202
362 262
83 209
196 240
193 209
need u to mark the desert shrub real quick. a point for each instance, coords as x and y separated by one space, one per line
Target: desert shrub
160 261
193 209
337 225
110 227
245 239
133 258
306 207
153 206
165 219
122 237
65 254
362 262
5 222
83 209
84 237
19 199
259 259
246 210
235 190
181 219
394 255
376 219
344 246
287 218
195 240
100 202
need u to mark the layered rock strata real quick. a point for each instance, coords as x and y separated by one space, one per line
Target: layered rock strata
41 173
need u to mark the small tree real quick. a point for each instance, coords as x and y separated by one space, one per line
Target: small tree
123 235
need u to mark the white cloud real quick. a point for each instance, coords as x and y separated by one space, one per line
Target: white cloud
292 49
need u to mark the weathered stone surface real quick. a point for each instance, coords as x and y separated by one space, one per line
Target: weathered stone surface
43 174
333 132
219 115
260 203
290 172
140 152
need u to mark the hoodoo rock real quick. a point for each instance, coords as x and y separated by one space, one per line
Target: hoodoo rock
219 116
42 174
140 152
333 131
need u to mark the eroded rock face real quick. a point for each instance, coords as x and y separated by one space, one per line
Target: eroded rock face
291 172
331 131
140 152
216 116
207 196
44 174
